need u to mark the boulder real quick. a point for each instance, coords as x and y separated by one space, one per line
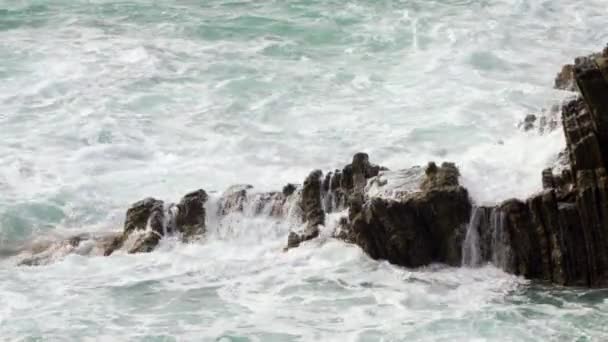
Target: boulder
148 221
419 228
147 214
190 216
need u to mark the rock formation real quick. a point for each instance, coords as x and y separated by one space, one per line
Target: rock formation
336 191
418 216
560 235
149 220
419 228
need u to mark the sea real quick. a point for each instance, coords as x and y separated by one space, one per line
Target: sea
105 102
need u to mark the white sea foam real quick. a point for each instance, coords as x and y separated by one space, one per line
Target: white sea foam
103 103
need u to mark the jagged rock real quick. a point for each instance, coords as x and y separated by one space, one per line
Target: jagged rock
529 121
150 221
445 176
233 199
413 218
289 189
140 213
190 216
561 234
548 179
565 78
337 190
147 214
146 242
311 200
419 228
294 239
44 251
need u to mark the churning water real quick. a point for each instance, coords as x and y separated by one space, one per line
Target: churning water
103 103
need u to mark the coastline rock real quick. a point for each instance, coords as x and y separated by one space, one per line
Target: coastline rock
418 228
338 190
416 217
148 221
233 199
147 214
190 217
47 250
312 209
560 235
565 79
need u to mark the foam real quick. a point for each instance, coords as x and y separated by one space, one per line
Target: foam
102 104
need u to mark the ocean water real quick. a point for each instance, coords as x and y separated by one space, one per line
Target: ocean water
105 102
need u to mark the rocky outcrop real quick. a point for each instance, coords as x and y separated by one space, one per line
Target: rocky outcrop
149 220
565 79
189 218
418 228
420 220
312 209
560 235
418 216
243 199
336 191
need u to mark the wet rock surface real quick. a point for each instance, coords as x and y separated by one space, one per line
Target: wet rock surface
419 216
149 220
560 235
419 228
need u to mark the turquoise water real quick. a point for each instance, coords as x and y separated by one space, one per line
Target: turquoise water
103 103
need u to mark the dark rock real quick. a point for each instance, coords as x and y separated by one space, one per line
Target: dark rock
289 189
312 209
565 78
294 240
419 228
146 242
190 216
561 234
529 121
548 179
140 213
147 214
445 176
311 199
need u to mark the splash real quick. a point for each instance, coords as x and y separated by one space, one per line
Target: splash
487 239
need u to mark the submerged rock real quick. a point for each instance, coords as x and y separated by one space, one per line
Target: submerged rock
49 249
233 199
